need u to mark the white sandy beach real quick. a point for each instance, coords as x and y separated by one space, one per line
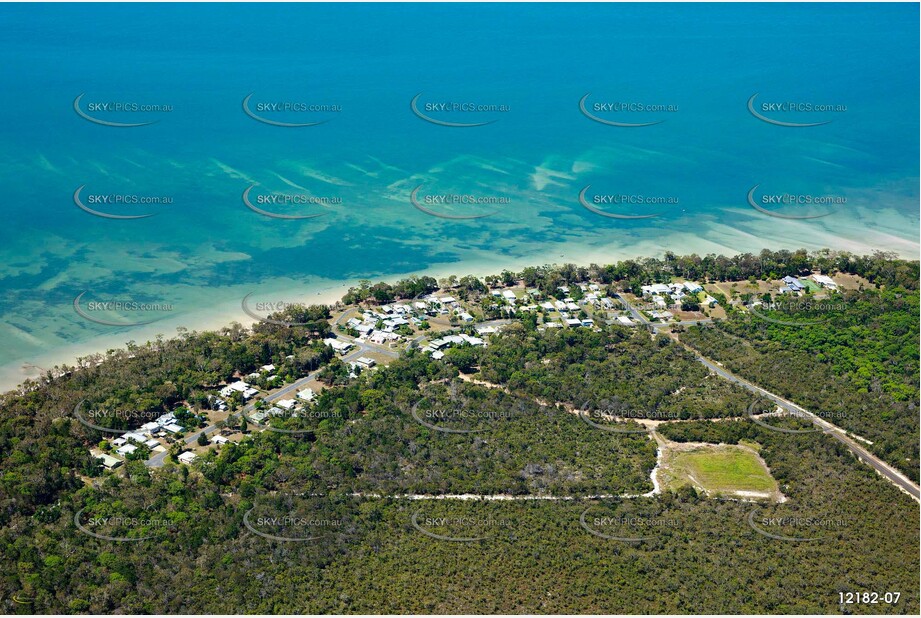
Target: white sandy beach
225 303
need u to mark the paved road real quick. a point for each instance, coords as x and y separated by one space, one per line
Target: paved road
633 311
888 472
637 315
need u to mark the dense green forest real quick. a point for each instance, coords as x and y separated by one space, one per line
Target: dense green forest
858 367
368 556
621 370
227 534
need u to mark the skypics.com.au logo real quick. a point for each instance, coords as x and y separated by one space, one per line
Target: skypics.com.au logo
114 113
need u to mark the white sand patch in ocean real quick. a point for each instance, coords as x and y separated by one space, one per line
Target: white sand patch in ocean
316 174
46 165
384 166
290 183
363 171
233 173
542 177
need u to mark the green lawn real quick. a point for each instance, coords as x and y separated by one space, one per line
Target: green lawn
723 469
811 285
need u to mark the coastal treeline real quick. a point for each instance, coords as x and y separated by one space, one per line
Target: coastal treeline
880 269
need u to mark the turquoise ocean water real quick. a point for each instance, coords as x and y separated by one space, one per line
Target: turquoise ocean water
530 65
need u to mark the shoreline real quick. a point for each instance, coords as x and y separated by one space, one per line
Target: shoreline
320 291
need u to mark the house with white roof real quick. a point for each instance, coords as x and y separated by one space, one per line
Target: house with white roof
307 395
240 387
655 288
126 450
382 337
286 404
187 457
149 428
109 462
825 281
339 346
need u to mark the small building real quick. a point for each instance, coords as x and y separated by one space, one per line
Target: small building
152 444
239 387
109 462
364 362
126 450
655 288
173 428
307 395
794 284
187 457
339 346
150 428
573 323
219 439
625 320
825 281
286 404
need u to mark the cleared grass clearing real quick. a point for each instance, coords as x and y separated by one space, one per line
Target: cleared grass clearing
722 469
